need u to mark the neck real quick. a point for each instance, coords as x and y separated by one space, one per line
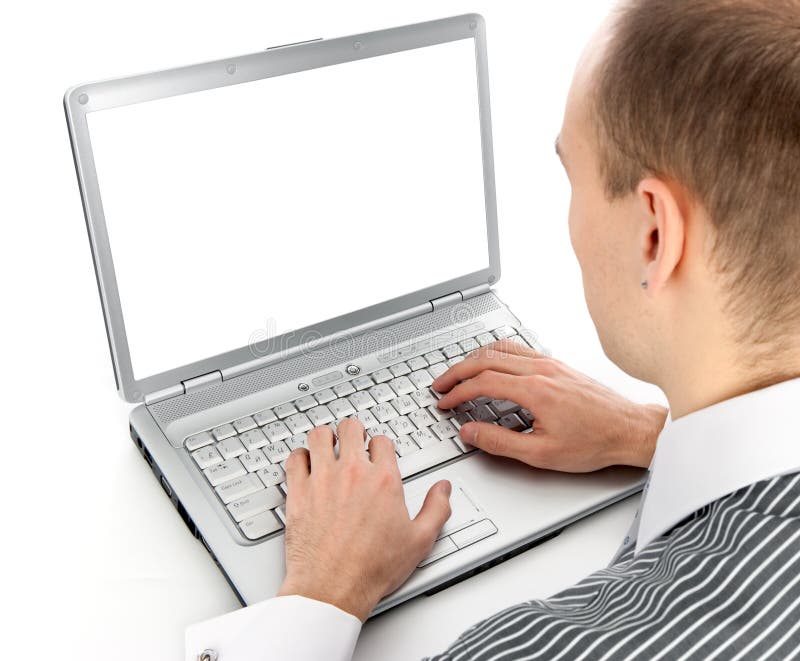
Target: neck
709 375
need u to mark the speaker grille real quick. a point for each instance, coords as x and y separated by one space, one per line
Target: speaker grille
315 360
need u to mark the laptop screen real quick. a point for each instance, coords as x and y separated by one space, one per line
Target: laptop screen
248 211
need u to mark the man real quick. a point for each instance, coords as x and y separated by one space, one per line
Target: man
681 140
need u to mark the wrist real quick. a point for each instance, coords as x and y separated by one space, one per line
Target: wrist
643 425
348 599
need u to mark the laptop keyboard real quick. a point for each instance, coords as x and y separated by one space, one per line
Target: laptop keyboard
243 460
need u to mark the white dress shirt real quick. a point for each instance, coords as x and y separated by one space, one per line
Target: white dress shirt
692 467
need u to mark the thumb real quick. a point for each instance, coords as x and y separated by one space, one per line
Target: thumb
434 512
494 439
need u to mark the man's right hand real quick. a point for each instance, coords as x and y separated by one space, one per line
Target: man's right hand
580 425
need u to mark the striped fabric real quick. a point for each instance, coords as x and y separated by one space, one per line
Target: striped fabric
724 583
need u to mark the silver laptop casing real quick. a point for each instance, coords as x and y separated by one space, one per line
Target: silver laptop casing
214 390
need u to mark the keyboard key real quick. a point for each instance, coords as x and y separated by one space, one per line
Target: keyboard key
424 397
432 455
421 378
230 448
344 389
454 361
325 396
276 431
272 476
437 370
298 423
444 429
401 369
402 426
527 417
404 446
423 437
404 404
197 441
254 439
366 418
382 393
254 460
320 415
255 503
470 344
227 470
265 417
260 525
402 386
483 413
297 441
464 407
482 400
244 424
207 456
305 403
502 407
435 357
361 400
421 418
440 415
485 338
512 422
285 410
384 412
461 419
382 376
276 452
418 363
362 382
381 430
238 487
341 408
503 332
223 431
452 350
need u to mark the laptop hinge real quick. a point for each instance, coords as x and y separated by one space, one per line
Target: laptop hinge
164 393
476 291
442 301
202 381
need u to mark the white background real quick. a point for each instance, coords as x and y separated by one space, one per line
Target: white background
96 564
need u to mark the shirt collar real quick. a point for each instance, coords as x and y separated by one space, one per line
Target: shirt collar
713 452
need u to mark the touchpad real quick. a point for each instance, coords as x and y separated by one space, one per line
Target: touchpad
468 523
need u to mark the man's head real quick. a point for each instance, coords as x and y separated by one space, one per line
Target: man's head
681 140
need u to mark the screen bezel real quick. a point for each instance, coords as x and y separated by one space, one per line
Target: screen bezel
83 99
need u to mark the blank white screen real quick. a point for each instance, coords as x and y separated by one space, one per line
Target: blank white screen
277 204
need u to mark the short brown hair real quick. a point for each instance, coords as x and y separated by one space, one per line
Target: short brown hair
707 93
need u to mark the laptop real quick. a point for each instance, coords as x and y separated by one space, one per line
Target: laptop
291 237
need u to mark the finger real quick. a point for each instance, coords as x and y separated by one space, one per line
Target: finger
320 445
298 467
488 384
499 362
434 513
498 440
381 450
351 438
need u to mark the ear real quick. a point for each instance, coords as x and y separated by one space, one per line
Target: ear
663 232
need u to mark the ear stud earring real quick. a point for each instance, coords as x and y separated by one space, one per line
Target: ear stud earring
644 284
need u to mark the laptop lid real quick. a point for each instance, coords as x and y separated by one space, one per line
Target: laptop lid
267 200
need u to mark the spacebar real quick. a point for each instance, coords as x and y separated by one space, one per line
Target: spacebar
427 457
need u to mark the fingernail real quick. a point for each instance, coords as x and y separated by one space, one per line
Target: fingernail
469 433
447 487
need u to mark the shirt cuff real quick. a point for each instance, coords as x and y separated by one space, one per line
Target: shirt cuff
293 628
